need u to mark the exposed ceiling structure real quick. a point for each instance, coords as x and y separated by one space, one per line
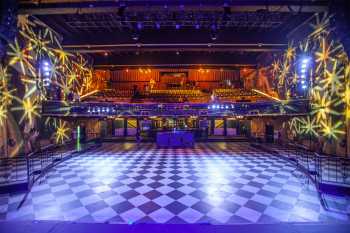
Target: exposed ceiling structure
173 32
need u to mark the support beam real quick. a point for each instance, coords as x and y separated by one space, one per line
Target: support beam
89 7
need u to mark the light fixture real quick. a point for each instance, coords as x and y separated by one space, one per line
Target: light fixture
305 60
213 35
135 36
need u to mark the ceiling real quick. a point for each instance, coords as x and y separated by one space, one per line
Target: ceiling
173 32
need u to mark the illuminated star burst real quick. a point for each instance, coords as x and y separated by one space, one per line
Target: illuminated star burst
63 56
39 44
290 52
325 53
321 25
275 66
322 106
294 125
309 126
21 56
24 23
333 79
61 132
30 108
332 131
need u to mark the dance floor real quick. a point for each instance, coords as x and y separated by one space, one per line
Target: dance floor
216 183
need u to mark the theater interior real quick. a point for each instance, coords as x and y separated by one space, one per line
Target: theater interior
174 115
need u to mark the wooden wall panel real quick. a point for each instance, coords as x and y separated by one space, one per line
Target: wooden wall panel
204 78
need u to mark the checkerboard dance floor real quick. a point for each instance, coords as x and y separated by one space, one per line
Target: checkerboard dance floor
216 183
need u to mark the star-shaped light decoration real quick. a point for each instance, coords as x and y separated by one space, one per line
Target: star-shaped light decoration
39 44
321 25
332 131
295 126
309 126
290 53
24 23
21 56
63 56
334 79
61 132
322 106
325 54
30 108
275 66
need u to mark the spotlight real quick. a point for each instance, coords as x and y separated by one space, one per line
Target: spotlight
304 86
197 26
157 25
47 73
305 60
177 26
303 65
139 25
303 76
303 70
226 107
177 53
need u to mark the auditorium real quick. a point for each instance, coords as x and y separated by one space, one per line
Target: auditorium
174 116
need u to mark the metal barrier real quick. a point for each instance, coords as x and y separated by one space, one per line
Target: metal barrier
13 170
333 169
40 161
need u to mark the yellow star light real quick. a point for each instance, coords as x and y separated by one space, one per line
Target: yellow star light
309 126
321 25
332 131
61 132
321 106
325 53
333 79
21 56
30 110
290 53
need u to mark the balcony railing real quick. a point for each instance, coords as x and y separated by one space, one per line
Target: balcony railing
230 109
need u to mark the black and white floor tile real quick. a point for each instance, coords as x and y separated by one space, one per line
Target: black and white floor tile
217 183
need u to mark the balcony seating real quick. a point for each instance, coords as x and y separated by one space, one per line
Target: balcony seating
236 95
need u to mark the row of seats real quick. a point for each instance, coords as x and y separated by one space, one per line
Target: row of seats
177 95
233 92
